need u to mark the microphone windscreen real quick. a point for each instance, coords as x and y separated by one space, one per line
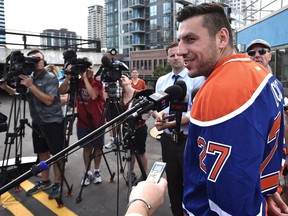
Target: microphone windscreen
144 93
105 61
183 86
174 92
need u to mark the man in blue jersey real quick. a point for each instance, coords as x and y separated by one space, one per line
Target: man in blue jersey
234 148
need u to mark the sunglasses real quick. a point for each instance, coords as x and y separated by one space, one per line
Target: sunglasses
261 51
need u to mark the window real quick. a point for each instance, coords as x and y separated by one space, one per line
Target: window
155 63
166 35
167 7
110 19
167 22
153 24
153 10
153 37
281 66
125 15
149 65
110 31
124 3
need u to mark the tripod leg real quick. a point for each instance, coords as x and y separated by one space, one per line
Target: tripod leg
61 166
140 164
79 197
106 162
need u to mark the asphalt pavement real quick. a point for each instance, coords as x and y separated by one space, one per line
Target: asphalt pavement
107 198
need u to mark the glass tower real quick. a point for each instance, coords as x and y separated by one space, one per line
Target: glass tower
2 23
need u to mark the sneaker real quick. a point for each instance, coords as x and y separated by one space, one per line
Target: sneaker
55 191
97 177
88 178
39 186
110 144
133 178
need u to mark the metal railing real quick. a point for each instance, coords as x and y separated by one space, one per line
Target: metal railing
60 43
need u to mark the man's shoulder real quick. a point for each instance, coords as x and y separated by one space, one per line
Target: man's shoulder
48 75
165 76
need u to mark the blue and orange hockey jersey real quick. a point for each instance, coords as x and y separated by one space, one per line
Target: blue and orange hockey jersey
235 144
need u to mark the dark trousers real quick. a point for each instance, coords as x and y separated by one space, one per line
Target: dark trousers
173 155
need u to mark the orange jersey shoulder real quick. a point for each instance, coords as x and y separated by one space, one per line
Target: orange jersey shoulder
229 86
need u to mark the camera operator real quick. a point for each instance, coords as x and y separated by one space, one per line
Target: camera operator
47 120
90 105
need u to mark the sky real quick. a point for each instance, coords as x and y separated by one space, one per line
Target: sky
34 16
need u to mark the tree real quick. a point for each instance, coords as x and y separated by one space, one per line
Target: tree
160 70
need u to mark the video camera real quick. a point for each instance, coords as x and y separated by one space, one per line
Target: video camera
20 65
78 65
110 73
111 70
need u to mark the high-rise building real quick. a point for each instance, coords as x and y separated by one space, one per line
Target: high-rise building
59 39
96 25
247 9
134 25
2 22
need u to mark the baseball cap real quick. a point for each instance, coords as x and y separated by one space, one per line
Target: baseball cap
258 41
127 75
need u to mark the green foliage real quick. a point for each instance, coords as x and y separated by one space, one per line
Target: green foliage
160 70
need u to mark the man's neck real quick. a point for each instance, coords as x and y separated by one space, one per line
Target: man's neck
176 71
37 73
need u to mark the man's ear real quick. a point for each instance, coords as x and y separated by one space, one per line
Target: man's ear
222 38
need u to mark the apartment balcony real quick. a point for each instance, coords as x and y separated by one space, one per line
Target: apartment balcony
136 4
140 44
138 31
137 18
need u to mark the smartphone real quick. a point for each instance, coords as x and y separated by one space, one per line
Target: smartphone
156 172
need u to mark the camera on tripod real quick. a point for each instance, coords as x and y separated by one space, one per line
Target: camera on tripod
110 72
78 65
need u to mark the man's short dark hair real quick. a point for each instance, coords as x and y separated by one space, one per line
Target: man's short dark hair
32 52
171 45
214 18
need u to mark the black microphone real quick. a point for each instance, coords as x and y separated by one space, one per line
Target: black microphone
173 91
193 93
159 100
183 86
106 62
179 106
144 93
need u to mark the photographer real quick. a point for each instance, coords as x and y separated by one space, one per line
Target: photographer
90 106
47 119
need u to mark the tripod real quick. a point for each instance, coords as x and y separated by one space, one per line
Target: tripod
130 147
43 165
111 106
11 168
89 124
